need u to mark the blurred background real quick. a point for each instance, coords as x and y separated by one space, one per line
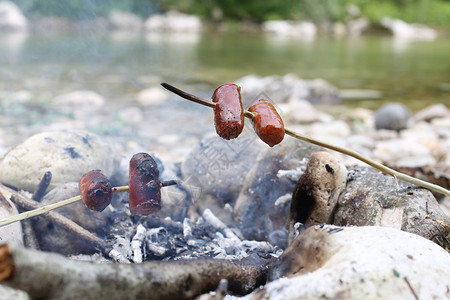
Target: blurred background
114 48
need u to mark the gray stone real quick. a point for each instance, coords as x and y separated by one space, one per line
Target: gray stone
66 154
262 208
372 198
393 116
218 167
329 262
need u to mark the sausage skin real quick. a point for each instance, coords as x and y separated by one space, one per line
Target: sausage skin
95 190
144 185
228 112
267 122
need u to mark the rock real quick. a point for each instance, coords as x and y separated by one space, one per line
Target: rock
280 89
372 198
131 115
360 94
393 116
317 192
356 27
7 292
321 91
173 21
301 111
121 20
403 30
11 18
55 238
262 208
218 167
307 30
434 111
67 154
152 96
11 233
403 152
80 103
358 263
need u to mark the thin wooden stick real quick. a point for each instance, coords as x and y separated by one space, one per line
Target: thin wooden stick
305 138
47 208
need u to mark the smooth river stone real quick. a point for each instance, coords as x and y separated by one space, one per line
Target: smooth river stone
66 154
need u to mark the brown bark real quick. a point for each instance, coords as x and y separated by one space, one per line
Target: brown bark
52 276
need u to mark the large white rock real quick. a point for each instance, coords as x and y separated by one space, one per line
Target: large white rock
11 18
66 154
122 20
329 262
290 28
173 21
403 30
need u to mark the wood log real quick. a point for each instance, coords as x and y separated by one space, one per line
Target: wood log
52 276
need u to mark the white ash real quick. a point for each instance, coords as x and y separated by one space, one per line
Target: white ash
283 199
136 244
208 237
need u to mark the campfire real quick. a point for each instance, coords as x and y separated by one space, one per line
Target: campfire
116 244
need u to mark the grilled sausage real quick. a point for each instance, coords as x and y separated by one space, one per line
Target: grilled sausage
267 122
228 112
95 190
144 185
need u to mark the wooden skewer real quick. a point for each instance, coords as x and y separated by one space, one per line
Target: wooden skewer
308 139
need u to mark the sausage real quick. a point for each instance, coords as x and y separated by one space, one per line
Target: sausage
267 122
144 185
95 190
228 112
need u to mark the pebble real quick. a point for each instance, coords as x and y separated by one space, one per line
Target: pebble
393 116
81 104
152 96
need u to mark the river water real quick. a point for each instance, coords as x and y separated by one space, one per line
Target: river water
118 65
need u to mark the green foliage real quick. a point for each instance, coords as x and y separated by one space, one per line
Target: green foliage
433 12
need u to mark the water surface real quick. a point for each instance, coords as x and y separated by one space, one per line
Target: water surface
118 65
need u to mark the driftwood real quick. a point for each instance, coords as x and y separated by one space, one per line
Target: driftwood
52 276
